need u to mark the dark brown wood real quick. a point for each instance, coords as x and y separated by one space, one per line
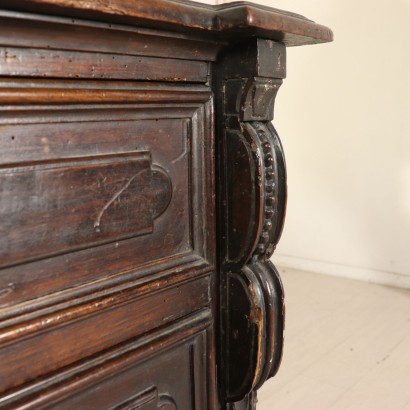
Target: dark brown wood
132 368
127 318
46 32
78 203
76 92
135 140
237 19
74 64
252 194
59 132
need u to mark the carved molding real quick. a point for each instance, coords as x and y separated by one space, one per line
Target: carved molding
252 189
147 400
101 199
166 403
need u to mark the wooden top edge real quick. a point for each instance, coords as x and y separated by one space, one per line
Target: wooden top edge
241 18
247 5
290 28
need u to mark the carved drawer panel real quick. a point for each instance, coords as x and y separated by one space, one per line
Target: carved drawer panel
63 206
164 369
88 191
107 320
171 381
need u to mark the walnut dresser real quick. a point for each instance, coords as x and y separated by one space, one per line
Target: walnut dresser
142 192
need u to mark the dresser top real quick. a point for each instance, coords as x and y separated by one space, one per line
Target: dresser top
234 20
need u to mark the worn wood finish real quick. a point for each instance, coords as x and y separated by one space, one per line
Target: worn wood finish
135 140
59 134
36 63
66 325
79 203
134 368
31 91
253 197
230 20
46 32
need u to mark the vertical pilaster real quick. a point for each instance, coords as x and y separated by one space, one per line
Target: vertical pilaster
252 194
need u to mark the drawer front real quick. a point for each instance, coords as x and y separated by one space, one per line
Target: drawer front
107 222
132 376
105 136
61 206
88 192
164 382
42 345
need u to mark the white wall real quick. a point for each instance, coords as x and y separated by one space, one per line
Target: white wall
344 117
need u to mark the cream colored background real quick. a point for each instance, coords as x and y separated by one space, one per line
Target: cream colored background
343 115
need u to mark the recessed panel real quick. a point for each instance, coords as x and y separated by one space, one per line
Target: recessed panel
62 206
89 192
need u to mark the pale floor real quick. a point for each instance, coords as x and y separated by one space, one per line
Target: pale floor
347 346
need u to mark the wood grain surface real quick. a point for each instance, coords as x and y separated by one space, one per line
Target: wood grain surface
60 206
113 116
239 19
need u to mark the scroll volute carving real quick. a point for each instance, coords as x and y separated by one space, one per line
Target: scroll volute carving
252 190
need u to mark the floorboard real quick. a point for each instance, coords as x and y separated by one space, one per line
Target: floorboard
347 346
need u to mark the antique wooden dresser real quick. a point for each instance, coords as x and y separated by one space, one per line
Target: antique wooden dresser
142 192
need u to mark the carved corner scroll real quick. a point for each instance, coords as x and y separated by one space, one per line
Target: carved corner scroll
252 190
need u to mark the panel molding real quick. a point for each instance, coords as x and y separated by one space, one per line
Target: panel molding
48 312
125 315
102 199
35 91
55 387
148 400
195 115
